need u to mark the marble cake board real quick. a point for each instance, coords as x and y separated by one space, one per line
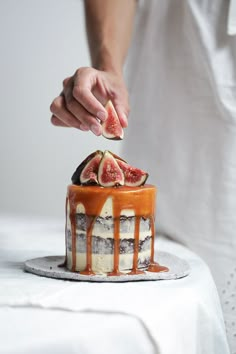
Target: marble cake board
49 267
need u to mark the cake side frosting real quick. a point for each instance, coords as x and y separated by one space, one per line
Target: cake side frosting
103 222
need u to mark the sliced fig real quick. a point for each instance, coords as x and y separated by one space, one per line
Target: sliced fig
111 127
116 156
109 172
86 172
134 177
90 171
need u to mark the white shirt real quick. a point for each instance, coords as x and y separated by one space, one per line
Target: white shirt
181 73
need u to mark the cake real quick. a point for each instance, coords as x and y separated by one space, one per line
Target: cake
110 218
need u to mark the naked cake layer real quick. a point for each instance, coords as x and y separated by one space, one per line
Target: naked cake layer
109 229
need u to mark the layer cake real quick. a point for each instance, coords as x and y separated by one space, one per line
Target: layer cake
110 229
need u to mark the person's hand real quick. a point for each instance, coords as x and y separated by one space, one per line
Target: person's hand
81 103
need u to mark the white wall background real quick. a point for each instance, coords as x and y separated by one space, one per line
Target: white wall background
42 42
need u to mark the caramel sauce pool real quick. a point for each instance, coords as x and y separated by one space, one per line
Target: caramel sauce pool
139 199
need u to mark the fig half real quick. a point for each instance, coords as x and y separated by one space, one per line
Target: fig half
134 177
87 171
111 127
109 172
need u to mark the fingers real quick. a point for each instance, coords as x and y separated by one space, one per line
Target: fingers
69 112
120 103
62 117
84 96
84 82
65 81
79 112
113 87
59 110
59 123
122 115
121 106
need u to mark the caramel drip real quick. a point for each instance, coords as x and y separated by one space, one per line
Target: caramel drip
130 200
116 248
92 209
66 226
136 244
90 223
135 269
153 238
65 260
93 198
155 267
73 240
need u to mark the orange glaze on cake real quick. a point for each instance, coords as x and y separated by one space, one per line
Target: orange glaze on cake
140 199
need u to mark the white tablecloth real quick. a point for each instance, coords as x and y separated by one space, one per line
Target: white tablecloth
43 315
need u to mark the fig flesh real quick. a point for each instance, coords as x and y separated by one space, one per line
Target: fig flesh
86 172
111 127
134 177
109 172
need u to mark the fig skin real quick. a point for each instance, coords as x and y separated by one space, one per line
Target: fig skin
77 174
116 156
89 173
134 177
109 172
111 127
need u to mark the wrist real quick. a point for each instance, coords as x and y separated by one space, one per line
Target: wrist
105 61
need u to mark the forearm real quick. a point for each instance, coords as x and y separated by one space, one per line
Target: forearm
81 104
109 27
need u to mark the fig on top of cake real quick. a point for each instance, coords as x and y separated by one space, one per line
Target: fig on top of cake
106 169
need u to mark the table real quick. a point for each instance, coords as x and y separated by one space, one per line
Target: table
55 316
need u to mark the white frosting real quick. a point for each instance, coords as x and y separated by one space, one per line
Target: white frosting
80 208
68 224
123 235
103 263
107 211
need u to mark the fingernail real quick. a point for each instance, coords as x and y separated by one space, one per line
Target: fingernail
101 115
95 129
